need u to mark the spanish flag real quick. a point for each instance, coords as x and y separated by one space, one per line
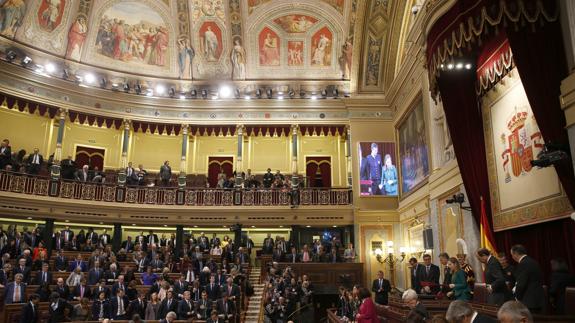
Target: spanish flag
487 240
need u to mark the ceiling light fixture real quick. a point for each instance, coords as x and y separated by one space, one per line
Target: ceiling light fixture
11 56
160 90
26 61
194 93
313 97
225 91
50 68
89 78
459 66
237 93
247 97
172 92
204 94
269 93
468 66
259 93
138 88
126 87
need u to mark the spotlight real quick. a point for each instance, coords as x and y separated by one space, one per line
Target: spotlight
442 66
172 92
126 87
247 97
459 66
237 93
467 66
324 94
26 61
89 78
194 93
314 97
269 93
280 97
138 88
115 87
160 89
302 94
291 93
204 94
182 96
103 82
449 66
50 68
11 56
259 93
335 93
150 92
225 91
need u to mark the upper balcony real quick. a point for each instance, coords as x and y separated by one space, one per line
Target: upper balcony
25 195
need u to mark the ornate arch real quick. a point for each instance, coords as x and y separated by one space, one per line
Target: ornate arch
265 15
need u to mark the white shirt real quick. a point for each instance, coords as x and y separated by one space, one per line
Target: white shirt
473 316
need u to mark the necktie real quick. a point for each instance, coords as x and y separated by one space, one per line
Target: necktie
189 278
54 306
16 293
188 302
81 291
44 277
101 315
380 283
169 303
427 270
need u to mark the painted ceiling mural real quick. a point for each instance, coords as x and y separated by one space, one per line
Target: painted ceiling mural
203 39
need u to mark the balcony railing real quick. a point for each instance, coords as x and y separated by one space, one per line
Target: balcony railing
110 192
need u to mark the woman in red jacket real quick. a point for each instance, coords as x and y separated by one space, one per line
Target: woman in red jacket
367 312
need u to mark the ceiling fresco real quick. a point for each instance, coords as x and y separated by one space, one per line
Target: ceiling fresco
205 40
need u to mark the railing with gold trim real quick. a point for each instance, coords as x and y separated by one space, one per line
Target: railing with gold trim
110 192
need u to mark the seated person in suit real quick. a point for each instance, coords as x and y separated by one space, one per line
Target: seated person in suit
101 307
15 291
514 311
170 317
410 299
461 312
62 289
44 275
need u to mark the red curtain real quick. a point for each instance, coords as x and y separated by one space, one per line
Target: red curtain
540 59
93 157
216 165
464 119
318 171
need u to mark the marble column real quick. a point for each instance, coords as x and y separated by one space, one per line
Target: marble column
125 148
183 162
47 235
239 156
348 154
55 169
179 240
294 156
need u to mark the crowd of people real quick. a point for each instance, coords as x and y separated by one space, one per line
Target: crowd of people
326 250
145 279
288 297
516 288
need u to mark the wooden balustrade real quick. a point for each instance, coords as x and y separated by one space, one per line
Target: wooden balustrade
110 192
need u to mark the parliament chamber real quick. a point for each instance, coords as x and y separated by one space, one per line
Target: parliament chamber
287 161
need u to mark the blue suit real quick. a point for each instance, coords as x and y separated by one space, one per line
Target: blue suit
82 264
9 293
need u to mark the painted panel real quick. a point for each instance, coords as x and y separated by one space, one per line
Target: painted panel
321 45
295 53
211 41
50 14
295 23
269 47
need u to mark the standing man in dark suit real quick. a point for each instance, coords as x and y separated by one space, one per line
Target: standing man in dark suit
128 245
373 168
119 306
445 273
166 173
131 175
105 238
152 238
169 304
23 269
414 268
381 287
529 280
268 245
30 311
185 307
5 153
92 236
292 256
35 162
494 279
137 306
67 234
429 276
57 308
212 289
